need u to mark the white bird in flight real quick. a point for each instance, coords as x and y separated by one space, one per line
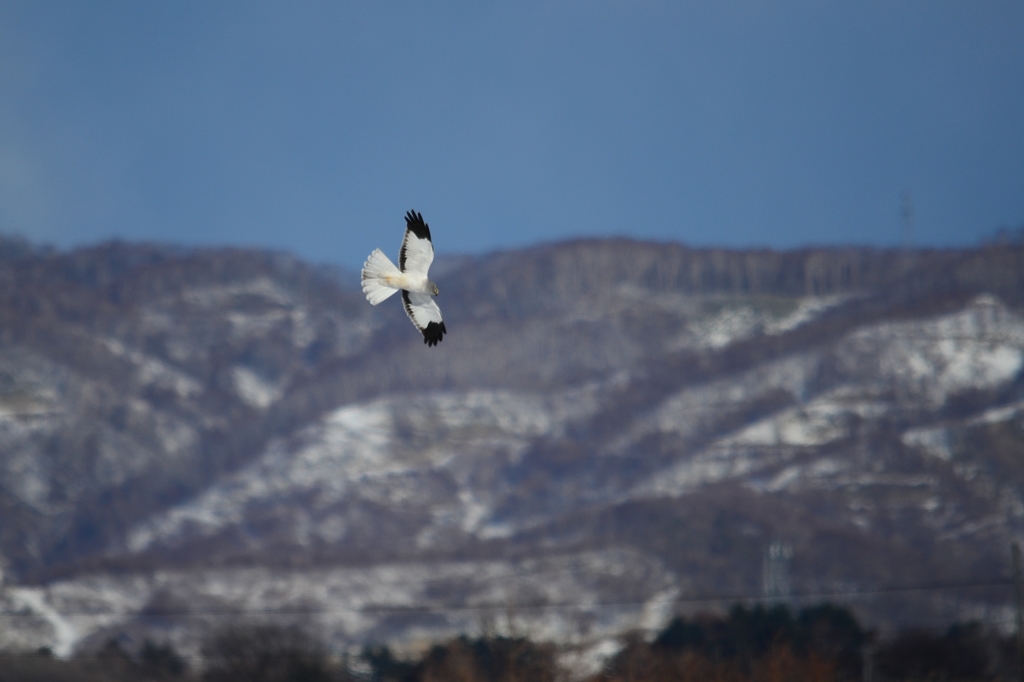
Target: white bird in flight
381 279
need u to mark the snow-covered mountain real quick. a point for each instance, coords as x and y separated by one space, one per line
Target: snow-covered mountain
612 432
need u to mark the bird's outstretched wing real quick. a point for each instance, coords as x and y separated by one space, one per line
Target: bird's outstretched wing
417 252
425 314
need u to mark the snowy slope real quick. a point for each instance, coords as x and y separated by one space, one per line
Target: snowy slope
248 439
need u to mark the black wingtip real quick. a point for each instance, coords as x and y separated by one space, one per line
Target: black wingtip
414 222
433 333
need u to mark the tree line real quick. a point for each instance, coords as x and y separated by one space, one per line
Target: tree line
822 643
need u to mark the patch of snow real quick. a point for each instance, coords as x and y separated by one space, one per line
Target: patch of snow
783 479
26 409
378 451
820 421
988 350
736 322
894 480
817 473
970 528
727 326
304 332
658 609
814 424
175 435
998 414
590 660
933 441
247 325
153 371
982 346
253 389
827 466
495 531
695 408
65 634
807 309
475 512
704 468
218 296
352 604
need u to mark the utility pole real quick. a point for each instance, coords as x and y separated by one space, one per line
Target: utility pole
1018 594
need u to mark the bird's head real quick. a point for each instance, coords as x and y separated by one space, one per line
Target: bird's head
433 289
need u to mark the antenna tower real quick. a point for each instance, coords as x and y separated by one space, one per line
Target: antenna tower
777 587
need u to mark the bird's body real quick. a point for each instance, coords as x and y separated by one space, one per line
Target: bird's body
414 283
381 278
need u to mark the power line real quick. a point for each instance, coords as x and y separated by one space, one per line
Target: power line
198 656
514 606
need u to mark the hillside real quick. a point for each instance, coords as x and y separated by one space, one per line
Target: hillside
613 431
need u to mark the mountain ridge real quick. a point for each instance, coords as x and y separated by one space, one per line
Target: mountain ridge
217 412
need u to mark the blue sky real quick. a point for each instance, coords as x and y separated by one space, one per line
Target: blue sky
313 127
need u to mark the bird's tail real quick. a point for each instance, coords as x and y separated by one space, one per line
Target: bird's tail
375 271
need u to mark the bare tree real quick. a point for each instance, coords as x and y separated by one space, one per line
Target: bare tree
265 653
